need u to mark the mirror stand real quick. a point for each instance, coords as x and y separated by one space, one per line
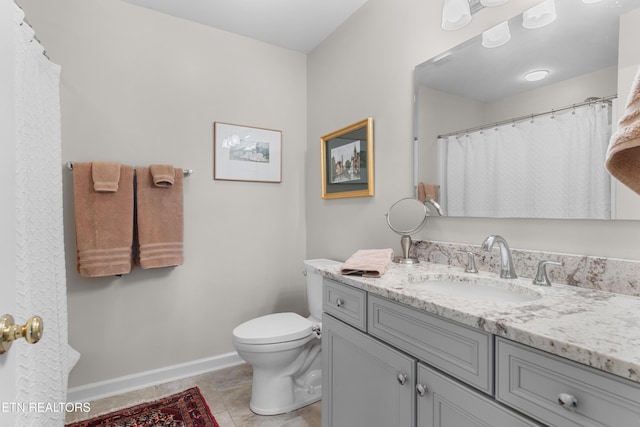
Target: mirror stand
405 244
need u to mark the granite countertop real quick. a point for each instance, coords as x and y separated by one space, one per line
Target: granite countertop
595 328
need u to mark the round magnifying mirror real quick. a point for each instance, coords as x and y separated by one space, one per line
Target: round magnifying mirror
405 217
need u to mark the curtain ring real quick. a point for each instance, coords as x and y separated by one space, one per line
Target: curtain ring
553 114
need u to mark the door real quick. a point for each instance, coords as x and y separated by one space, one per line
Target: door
364 382
7 196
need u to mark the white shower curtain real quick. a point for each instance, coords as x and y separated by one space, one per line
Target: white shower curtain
547 167
43 368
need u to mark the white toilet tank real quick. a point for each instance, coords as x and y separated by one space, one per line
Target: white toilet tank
314 285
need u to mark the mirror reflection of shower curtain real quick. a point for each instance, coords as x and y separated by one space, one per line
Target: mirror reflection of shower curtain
548 167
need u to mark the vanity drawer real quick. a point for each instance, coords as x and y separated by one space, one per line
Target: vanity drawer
346 303
456 349
531 381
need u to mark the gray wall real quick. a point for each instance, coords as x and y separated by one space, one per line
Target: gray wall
365 69
141 87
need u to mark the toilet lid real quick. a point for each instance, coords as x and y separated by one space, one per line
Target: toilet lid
273 328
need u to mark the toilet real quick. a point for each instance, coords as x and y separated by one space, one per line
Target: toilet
284 351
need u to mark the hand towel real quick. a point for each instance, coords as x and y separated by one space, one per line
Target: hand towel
428 191
162 175
106 176
623 155
159 217
104 224
368 262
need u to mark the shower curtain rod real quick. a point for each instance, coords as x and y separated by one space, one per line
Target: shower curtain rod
186 172
594 100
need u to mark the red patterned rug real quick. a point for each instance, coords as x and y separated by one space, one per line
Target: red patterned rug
186 409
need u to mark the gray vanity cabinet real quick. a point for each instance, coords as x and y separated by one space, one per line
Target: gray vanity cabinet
365 383
371 381
391 365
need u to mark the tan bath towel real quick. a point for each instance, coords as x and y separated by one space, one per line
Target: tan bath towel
104 223
106 176
368 262
428 191
163 175
159 217
623 155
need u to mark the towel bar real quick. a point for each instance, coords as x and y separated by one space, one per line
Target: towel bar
186 172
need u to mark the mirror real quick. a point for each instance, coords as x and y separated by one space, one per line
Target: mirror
406 217
347 161
471 90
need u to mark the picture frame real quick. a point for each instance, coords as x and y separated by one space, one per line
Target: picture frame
246 153
346 156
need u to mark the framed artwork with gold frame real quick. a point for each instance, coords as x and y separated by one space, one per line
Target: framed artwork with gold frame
346 157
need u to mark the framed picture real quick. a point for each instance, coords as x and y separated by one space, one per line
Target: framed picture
244 153
347 161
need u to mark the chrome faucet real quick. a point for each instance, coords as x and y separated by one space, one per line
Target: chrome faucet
506 263
541 278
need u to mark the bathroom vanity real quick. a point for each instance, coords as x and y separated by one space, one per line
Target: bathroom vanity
401 350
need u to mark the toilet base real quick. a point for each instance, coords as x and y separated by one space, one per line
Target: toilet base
281 395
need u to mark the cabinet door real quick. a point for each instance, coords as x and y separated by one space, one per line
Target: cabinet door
447 403
365 383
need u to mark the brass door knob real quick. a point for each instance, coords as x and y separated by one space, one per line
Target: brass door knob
30 331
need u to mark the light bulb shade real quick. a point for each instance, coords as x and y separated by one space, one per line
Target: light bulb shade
455 14
539 15
496 36
536 75
491 3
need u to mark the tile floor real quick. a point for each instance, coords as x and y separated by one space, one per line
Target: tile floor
227 392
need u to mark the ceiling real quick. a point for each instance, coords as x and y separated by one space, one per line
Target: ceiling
298 25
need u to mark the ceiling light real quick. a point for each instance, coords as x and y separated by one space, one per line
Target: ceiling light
455 14
539 15
534 76
491 3
496 36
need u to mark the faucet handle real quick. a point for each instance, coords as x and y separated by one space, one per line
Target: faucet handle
471 262
541 278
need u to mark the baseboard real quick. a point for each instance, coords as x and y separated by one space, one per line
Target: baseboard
112 387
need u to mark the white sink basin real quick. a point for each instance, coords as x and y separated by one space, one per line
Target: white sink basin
477 288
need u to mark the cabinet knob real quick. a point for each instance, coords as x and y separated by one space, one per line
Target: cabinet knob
339 302
567 401
422 390
402 379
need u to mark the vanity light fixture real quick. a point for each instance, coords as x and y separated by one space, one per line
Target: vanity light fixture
534 76
455 14
539 15
496 36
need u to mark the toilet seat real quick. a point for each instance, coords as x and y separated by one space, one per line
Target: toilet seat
273 328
